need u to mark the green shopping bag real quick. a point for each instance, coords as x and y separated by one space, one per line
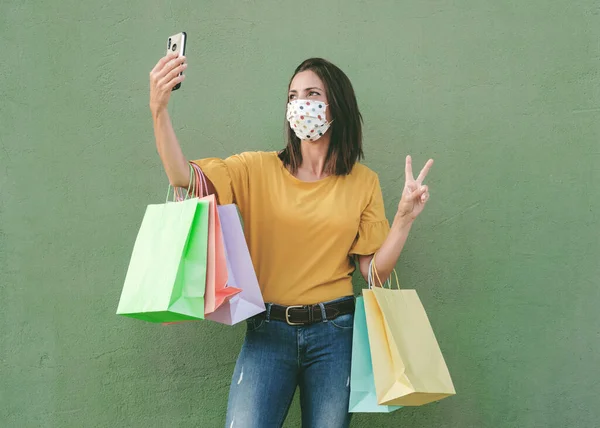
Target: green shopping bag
167 273
363 396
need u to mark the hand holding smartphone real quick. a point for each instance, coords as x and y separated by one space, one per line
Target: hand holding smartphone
167 74
176 44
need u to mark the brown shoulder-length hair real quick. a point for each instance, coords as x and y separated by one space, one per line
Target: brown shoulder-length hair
345 148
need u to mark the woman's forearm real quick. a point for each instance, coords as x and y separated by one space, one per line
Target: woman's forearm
174 162
387 256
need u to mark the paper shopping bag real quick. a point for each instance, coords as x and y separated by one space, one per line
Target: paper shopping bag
363 397
166 277
217 290
407 362
240 272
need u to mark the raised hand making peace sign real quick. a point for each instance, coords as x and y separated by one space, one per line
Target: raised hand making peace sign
415 195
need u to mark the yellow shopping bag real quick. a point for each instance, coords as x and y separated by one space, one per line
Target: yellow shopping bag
408 365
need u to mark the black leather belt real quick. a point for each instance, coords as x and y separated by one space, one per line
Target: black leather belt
310 314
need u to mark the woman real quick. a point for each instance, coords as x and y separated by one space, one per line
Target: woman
310 213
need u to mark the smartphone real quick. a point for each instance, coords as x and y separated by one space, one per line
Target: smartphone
177 43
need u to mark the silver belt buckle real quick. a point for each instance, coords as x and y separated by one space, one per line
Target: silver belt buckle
287 314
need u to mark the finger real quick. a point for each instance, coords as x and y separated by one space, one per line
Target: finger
172 83
424 171
170 66
419 192
410 188
408 169
161 63
172 74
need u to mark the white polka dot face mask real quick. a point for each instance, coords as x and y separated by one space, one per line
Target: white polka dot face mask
307 119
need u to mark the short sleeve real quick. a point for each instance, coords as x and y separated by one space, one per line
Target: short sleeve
229 176
374 226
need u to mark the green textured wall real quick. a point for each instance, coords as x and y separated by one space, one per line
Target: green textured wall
505 95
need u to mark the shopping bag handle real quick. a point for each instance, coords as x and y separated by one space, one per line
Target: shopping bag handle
178 191
201 190
197 186
373 270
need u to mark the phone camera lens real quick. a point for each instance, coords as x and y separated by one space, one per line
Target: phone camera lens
169 47
174 48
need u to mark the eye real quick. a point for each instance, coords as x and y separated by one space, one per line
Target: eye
291 96
313 94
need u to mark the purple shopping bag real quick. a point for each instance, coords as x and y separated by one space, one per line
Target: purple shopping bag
240 272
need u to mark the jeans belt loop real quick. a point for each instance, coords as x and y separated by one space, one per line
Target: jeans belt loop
323 313
268 317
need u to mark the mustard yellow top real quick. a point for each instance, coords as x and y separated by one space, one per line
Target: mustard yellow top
301 235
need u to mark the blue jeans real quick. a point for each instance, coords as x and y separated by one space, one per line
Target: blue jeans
276 358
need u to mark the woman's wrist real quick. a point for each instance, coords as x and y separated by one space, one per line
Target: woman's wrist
158 112
402 222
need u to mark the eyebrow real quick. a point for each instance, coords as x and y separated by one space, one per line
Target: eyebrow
307 89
